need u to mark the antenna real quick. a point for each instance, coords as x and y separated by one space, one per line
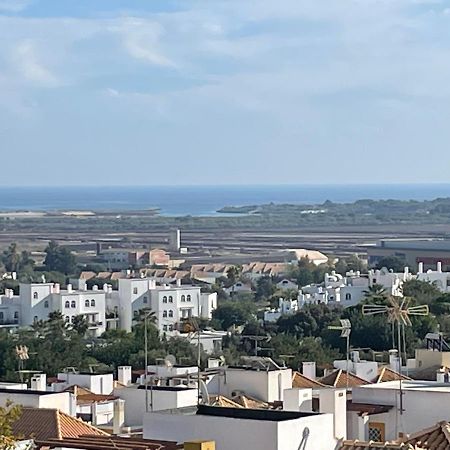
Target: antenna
398 311
345 328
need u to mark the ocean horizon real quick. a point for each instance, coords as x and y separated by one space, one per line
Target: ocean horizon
203 200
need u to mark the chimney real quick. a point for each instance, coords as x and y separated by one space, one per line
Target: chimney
69 288
95 287
105 287
298 400
439 266
394 360
39 382
334 401
124 375
178 282
119 415
420 269
309 369
56 288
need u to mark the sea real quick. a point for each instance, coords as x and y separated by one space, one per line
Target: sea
202 200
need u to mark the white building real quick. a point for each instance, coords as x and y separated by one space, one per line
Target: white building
170 304
382 412
37 300
233 428
285 307
96 383
440 279
392 282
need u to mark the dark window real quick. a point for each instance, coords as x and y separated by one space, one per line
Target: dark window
135 290
164 299
46 304
164 313
73 304
86 303
92 302
183 298
35 295
188 298
170 313
67 304
170 299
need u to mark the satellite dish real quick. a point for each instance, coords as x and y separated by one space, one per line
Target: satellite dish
170 361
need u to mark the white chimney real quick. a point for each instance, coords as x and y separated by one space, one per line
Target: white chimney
299 400
95 287
124 375
309 369
105 287
439 266
420 269
394 360
334 401
39 382
178 282
118 416
56 288
69 288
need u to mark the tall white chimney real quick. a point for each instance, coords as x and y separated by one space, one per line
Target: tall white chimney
39 382
69 288
299 400
309 369
334 401
124 375
420 269
439 266
118 415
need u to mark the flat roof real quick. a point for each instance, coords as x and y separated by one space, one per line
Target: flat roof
166 388
411 385
251 414
26 391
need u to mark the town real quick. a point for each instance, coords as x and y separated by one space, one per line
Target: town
169 352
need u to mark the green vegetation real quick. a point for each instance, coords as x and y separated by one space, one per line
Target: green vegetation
8 415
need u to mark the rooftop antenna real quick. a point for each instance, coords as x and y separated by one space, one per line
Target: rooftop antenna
398 312
22 356
345 328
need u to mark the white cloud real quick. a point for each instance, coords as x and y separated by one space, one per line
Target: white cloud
28 65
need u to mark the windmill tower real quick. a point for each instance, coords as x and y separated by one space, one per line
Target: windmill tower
398 313
22 356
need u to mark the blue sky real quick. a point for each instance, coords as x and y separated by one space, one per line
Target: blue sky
143 92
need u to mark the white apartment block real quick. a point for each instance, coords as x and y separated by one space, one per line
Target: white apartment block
37 300
170 304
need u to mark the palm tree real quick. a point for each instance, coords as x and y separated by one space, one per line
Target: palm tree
233 275
376 292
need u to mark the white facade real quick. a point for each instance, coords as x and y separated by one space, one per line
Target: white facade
159 398
285 307
392 282
424 404
265 385
96 383
170 304
233 429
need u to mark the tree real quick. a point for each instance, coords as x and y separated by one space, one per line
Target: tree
8 415
233 274
11 258
350 263
264 288
80 324
391 263
375 293
59 259
423 291
234 313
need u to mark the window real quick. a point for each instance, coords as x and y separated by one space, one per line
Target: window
135 290
16 314
376 431
164 313
72 319
348 296
165 327
46 304
67 319
170 313
170 299
86 303
35 319
92 302
170 327
73 304
35 295
67 304
164 299
188 298
183 298
136 313
1 315
145 300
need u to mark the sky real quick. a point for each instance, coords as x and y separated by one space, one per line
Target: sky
181 92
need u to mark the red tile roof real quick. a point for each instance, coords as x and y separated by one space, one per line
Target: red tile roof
300 381
341 379
386 374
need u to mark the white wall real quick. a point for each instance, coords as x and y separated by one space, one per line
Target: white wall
61 400
96 383
162 400
308 433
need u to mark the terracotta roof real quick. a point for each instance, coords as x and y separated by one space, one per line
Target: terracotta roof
300 381
386 374
433 438
366 409
249 402
224 402
338 379
87 275
108 443
40 423
360 445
